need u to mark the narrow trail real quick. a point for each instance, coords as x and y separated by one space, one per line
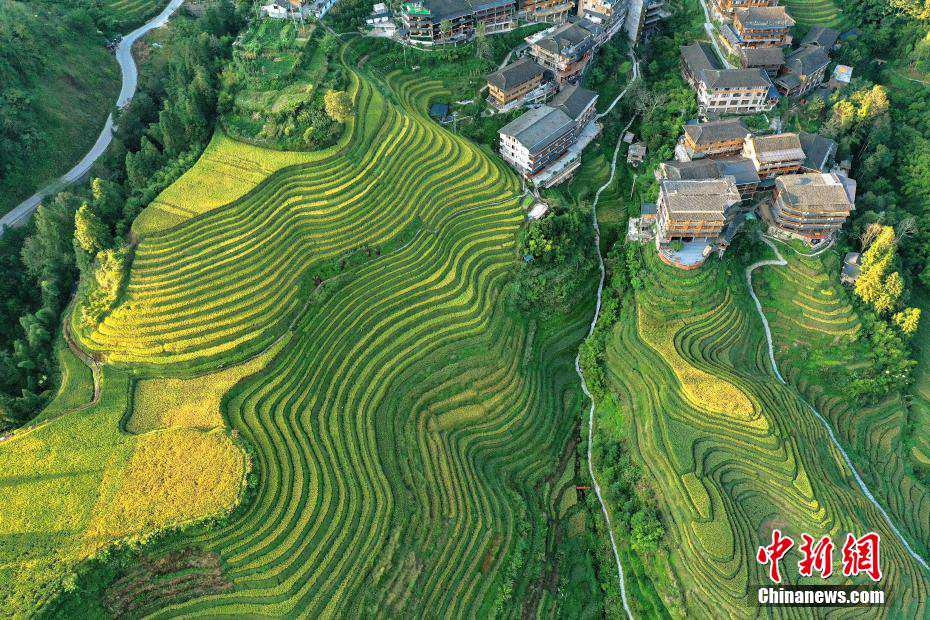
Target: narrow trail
20 214
781 262
597 312
618 98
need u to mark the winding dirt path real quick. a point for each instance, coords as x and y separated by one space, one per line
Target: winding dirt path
780 261
597 312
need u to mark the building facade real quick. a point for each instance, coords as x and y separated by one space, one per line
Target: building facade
774 155
735 91
722 138
767 26
433 22
550 11
515 82
812 206
565 51
689 210
804 71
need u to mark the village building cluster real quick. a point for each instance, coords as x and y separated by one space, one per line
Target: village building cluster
297 9
723 173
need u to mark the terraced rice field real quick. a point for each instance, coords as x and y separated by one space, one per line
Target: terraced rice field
920 392
813 328
133 12
726 477
411 435
815 12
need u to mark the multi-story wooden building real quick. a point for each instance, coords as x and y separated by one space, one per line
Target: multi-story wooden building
735 91
541 136
607 13
714 138
695 59
726 8
432 22
763 26
689 210
804 71
565 51
643 17
551 11
775 154
812 206
515 82
740 169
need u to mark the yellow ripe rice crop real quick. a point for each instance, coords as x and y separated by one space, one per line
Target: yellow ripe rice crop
703 389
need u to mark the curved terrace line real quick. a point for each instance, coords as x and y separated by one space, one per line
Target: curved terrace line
781 262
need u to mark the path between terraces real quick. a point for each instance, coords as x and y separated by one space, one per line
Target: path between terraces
781 262
597 312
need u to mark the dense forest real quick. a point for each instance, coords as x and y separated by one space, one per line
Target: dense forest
84 231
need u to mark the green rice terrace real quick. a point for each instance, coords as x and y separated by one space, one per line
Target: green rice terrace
341 316
731 452
133 12
816 12
815 333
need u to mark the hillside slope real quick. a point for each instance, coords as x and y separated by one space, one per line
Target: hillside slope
732 453
57 86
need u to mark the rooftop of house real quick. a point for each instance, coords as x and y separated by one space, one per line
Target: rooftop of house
842 73
565 37
741 169
698 57
815 191
807 60
705 199
817 150
821 35
771 56
573 100
777 147
852 258
764 17
716 131
538 127
516 73
789 80
648 209
735 78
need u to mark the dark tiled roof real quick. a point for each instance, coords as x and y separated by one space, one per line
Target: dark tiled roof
771 56
807 60
698 57
566 36
516 73
822 36
573 100
741 169
440 10
704 199
760 17
813 191
778 147
735 78
817 150
717 131
538 127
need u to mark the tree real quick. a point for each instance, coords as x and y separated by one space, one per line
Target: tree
90 233
445 27
908 320
338 105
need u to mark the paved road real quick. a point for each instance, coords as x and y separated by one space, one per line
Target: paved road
597 312
780 261
130 76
